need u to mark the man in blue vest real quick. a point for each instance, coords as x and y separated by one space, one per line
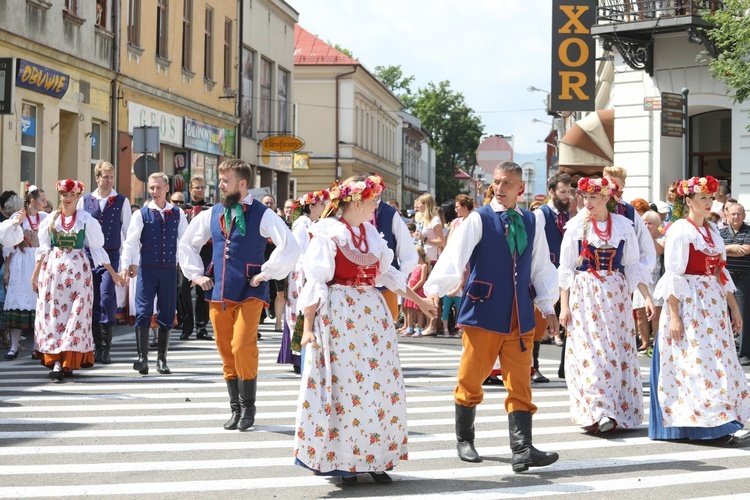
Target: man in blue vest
551 218
150 254
510 272
236 281
393 229
112 210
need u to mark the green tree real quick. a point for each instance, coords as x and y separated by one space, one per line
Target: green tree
730 35
456 131
393 78
343 50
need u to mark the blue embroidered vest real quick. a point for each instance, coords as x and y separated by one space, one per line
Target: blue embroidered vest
605 259
384 218
159 237
496 278
235 260
110 218
553 234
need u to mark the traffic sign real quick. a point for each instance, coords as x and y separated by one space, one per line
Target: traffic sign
492 151
539 197
672 115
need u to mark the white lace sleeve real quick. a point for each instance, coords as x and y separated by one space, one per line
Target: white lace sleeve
318 265
389 276
566 272
10 234
635 270
676 254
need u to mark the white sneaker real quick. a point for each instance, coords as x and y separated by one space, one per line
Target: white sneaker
606 425
738 438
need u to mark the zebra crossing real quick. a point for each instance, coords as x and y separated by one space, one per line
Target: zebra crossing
110 431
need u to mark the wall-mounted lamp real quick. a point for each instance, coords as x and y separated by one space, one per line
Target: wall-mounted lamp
694 37
121 97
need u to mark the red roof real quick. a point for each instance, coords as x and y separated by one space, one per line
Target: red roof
311 50
461 174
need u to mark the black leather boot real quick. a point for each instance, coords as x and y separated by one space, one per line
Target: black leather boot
162 348
233 389
96 331
465 433
247 403
141 344
524 454
107 331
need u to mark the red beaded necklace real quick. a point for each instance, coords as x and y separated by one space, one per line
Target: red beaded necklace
360 242
69 225
706 237
34 225
607 233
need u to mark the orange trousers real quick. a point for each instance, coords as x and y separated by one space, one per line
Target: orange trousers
481 349
391 300
236 333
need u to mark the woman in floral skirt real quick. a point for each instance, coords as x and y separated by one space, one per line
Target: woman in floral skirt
599 266
19 237
63 282
306 211
698 388
351 416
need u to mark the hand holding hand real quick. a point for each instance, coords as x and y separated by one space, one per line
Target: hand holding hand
257 280
133 271
204 282
650 309
564 316
428 307
553 326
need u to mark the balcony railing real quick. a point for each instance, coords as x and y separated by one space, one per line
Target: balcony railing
628 11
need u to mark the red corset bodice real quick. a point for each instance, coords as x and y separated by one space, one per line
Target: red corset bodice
702 264
350 274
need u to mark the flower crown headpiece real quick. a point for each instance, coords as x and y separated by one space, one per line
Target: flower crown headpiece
69 186
30 188
314 197
695 185
357 191
604 186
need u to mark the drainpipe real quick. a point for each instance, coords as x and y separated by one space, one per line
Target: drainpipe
114 102
238 94
338 77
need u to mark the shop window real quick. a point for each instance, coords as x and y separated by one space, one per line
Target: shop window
162 28
246 121
711 144
134 23
228 54
101 14
266 127
283 101
208 45
29 134
187 35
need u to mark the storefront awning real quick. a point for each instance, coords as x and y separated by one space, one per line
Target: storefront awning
588 146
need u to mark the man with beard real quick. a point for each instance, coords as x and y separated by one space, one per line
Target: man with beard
236 281
149 252
551 218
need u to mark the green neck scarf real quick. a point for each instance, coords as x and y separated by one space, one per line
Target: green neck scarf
239 218
517 238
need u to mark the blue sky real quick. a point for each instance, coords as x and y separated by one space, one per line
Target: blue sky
490 50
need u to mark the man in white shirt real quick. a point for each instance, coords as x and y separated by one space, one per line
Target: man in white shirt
150 253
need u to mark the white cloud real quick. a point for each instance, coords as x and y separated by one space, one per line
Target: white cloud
490 50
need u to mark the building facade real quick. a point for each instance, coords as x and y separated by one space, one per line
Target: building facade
347 117
417 160
59 120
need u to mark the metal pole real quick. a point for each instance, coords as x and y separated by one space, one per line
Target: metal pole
685 135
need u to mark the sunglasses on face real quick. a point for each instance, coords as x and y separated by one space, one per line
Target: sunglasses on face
178 202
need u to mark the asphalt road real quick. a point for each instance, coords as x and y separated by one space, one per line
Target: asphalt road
109 431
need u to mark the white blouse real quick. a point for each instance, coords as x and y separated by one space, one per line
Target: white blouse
319 261
12 235
677 253
94 237
622 230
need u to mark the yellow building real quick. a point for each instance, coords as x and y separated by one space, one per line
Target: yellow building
178 72
58 75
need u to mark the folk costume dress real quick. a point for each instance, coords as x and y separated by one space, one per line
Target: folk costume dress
20 243
698 388
295 283
351 414
62 330
601 363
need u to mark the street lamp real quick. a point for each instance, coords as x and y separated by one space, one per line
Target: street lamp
531 88
550 144
535 120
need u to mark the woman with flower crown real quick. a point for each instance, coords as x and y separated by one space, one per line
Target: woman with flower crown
63 282
19 237
351 415
599 267
306 211
698 388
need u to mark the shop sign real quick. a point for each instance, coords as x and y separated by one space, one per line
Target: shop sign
201 136
6 85
573 55
28 126
41 79
282 144
170 126
230 142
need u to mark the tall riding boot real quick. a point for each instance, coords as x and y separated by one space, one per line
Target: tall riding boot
141 343
162 347
233 389
96 330
247 403
524 454
465 433
106 343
